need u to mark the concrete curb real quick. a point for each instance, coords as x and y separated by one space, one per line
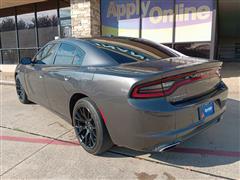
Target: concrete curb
10 83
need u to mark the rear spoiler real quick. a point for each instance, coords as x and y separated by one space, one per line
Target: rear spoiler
182 69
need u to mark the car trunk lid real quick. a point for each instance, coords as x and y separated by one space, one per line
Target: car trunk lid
188 77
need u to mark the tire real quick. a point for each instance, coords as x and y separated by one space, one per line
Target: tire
22 96
89 127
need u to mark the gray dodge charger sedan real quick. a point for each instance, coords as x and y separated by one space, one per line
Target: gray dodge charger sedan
124 91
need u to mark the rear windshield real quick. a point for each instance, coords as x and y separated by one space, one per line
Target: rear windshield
119 57
128 51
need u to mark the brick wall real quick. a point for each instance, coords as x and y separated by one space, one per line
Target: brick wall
85 16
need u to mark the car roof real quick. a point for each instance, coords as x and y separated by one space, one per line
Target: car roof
97 57
122 39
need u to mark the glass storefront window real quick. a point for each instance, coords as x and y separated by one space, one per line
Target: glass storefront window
157 21
8 32
120 18
27 53
1 60
8 37
26 30
44 15
47 23
193 20
10 56
201 49
65 19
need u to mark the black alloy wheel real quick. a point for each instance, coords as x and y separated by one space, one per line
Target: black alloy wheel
89 127
20 91
85 127
22 96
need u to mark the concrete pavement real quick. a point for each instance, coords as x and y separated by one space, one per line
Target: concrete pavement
37 144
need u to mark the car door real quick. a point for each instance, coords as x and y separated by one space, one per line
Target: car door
59 84
35 74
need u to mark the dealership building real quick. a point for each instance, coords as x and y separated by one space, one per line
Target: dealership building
200 28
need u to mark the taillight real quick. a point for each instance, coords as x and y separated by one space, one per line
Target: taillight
167 86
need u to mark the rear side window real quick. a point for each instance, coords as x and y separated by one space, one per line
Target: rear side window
78 58
119 57
65 54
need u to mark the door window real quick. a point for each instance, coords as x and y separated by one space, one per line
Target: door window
65 55
46 55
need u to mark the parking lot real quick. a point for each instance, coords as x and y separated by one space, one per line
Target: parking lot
36 143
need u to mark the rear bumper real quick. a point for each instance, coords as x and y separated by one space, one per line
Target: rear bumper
191 131
160 141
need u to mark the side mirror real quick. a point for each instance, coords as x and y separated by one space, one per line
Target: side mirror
26 61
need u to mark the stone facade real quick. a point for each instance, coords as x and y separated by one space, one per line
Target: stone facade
85 16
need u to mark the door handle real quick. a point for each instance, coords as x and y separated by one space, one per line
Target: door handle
66 78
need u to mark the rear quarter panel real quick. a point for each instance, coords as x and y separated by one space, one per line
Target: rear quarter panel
111 96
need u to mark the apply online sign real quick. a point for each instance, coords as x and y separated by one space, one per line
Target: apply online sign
123 15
